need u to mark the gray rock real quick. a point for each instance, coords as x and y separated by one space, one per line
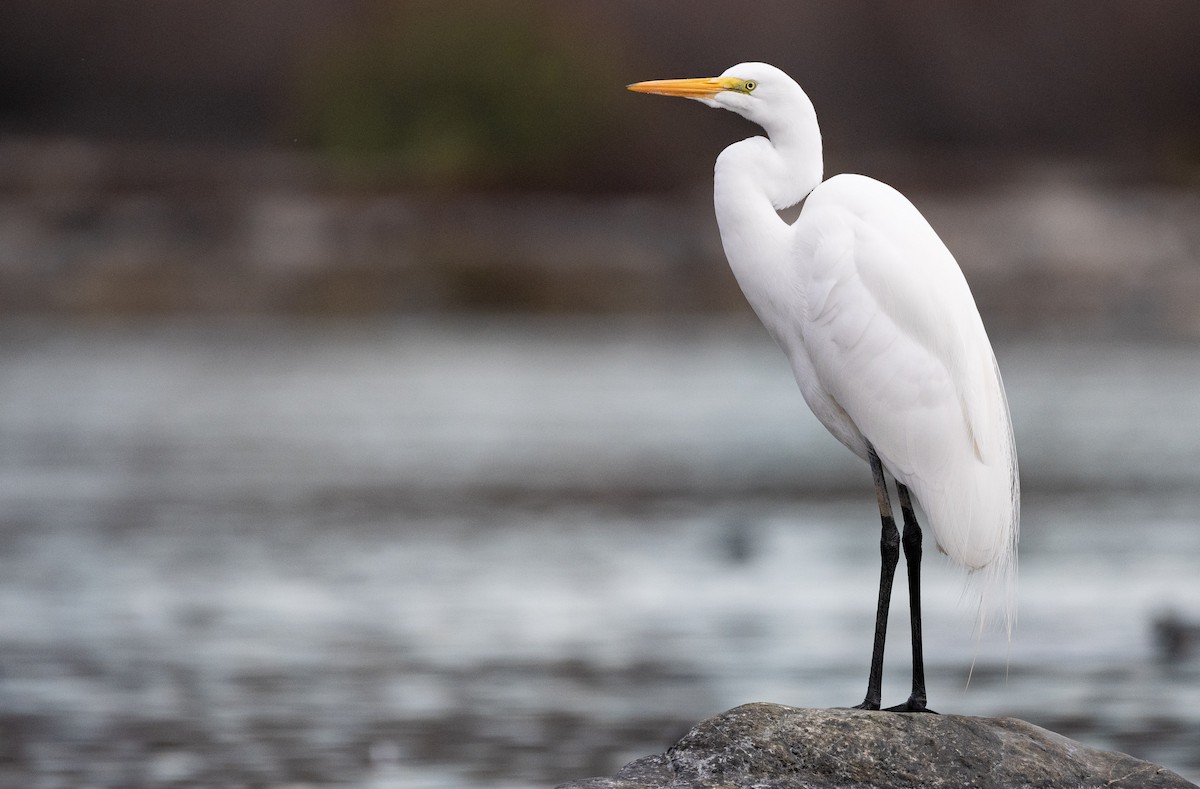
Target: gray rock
769 746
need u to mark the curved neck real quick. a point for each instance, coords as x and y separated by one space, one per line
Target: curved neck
754 179
785 165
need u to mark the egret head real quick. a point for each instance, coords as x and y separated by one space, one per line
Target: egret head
787 169
757 91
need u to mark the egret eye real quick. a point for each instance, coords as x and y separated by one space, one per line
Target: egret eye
749 85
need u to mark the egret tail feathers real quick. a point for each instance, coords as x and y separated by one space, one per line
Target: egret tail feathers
976 522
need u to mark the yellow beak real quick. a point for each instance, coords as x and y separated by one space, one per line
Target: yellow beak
698 88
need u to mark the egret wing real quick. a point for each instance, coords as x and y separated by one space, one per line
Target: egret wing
894 337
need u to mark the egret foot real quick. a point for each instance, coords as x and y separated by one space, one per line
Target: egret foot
912 705
866 705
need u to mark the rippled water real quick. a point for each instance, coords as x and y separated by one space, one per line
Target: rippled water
507 554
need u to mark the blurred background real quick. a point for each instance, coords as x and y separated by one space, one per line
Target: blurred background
377 408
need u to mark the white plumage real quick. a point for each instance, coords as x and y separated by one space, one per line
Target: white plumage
875 316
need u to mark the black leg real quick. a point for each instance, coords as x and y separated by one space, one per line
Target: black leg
889 550
912 558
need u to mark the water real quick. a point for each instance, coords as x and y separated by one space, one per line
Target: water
506 554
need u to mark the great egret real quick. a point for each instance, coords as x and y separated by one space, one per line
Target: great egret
883 336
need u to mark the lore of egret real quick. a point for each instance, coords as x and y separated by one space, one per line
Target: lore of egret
883 336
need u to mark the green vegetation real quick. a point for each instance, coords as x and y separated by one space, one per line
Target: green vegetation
461 96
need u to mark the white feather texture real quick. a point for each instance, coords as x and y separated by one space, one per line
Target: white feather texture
879 324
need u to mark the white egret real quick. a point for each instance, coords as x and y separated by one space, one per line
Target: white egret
883 336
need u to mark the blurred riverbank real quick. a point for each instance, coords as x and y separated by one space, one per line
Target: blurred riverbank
103 229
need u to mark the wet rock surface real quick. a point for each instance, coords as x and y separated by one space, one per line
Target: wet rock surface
769 746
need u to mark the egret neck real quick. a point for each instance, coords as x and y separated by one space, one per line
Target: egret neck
756 178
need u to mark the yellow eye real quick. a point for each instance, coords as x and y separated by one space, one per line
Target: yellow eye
749 85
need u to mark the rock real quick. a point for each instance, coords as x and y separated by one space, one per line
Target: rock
769 746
